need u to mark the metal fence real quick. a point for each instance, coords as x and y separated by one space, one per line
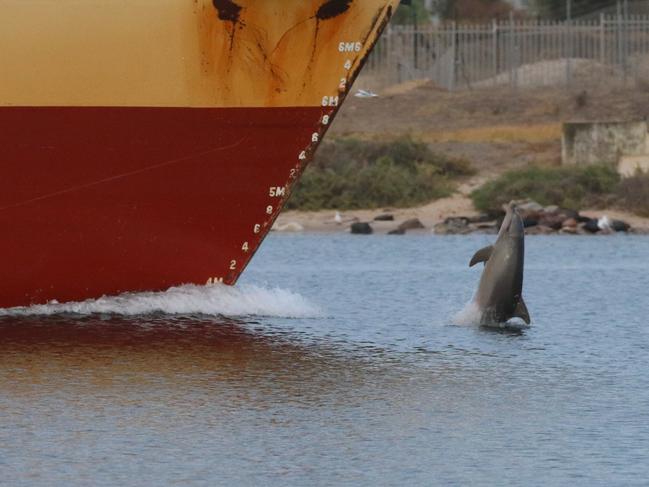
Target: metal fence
518 54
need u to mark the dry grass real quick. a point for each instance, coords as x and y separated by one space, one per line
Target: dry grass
532 134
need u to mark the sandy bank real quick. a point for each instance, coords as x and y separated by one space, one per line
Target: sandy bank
324 221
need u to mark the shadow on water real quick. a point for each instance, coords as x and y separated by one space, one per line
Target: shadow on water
95 354
140 333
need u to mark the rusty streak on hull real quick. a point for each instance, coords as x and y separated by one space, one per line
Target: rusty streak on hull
131 166
227 10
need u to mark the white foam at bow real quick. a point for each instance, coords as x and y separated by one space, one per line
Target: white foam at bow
245 300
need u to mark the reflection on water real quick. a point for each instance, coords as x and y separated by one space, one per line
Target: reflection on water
381 387
95 353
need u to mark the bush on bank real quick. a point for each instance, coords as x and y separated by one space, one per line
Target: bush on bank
349 173
633 194
565 186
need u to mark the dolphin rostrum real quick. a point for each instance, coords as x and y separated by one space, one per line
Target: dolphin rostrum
499 295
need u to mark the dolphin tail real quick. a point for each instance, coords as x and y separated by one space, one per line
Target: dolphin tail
521 311
481 255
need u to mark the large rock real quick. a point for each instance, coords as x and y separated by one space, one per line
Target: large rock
582 219
606 225
453 226
550 216
361 228
530 219
411 224
568 230
385 217
528 205
569 223
530 214
568 213
486 226
397 231
591 226
539 230
620 226
481 218
552 220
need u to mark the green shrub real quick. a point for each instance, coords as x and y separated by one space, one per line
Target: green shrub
566 186
633 194
349 173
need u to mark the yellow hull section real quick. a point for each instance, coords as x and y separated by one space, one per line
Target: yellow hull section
184 53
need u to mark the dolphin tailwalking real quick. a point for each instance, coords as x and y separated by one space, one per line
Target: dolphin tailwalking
500 292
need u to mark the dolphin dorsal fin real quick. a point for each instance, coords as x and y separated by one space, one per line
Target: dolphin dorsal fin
521 311
481 255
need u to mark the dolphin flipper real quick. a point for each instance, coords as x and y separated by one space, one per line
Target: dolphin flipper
481 255
521 311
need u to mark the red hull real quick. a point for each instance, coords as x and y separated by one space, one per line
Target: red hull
98 201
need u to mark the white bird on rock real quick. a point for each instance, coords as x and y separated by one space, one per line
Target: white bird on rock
604 224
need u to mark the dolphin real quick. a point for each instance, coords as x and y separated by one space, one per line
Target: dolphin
500 292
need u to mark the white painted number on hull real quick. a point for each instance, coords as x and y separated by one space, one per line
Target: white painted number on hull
330 101
269 210
244 247
233 265
276 191
257 228
350 47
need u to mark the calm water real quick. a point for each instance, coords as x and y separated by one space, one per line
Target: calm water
352 372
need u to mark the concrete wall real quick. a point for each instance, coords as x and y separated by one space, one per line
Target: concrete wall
603 142
630 165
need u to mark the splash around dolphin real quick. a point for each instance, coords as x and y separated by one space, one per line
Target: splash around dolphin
500 292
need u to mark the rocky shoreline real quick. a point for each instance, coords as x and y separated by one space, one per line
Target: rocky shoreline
539 220
462 220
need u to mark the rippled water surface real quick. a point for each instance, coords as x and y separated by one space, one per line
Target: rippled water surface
337 361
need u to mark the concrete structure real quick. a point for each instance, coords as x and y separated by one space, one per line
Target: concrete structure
621 144
630 165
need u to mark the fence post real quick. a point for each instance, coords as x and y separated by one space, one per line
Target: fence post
627 40
512 55
387 59
453 56
602 36
568 42
494 50
510 50
399 53
618 38
415 47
